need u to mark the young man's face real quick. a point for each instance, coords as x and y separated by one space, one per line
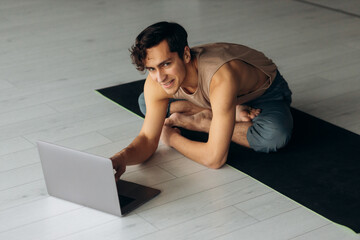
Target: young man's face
165 67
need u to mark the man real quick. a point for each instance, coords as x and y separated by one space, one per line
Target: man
228 90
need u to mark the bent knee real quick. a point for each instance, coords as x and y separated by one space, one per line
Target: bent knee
268 139
278 139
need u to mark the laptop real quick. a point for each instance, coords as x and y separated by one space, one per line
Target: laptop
89 180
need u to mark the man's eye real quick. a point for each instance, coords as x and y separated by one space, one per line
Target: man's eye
166 64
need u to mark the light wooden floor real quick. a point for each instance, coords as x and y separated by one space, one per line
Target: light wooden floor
53 54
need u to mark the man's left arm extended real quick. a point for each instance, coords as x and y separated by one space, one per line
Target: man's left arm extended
213 153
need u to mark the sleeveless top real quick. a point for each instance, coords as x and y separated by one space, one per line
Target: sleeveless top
210 57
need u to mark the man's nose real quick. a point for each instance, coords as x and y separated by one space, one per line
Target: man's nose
161 76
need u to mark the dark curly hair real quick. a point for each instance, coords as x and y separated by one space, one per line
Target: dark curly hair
174 33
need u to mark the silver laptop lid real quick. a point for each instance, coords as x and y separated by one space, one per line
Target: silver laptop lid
79 177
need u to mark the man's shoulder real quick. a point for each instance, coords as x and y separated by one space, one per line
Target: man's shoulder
154 90
228 72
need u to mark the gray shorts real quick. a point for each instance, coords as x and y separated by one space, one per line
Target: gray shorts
272 129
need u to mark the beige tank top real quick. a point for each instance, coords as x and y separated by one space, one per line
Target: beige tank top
211 57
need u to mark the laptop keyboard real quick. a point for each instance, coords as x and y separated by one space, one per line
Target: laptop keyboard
125 200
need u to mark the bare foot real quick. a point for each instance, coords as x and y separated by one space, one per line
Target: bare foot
245 113
196 122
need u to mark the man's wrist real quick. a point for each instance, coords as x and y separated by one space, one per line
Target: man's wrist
119 164
118 158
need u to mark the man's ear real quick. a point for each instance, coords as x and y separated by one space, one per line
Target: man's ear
187 54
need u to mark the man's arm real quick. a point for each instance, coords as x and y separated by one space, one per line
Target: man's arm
213 153
145 144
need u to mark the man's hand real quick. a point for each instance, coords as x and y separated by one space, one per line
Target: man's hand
119 165
167 133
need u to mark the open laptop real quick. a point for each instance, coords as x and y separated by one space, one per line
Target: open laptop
89 180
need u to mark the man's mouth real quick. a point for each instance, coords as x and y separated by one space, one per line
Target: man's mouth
168 84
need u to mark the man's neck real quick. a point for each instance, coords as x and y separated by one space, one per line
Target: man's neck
190 83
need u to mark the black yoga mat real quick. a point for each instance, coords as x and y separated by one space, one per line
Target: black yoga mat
319 168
